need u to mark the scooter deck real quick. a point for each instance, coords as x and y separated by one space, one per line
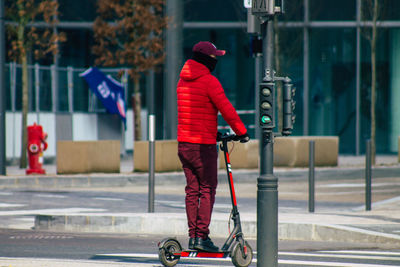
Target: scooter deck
202 254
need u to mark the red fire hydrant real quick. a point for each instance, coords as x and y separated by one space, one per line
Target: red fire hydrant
36 145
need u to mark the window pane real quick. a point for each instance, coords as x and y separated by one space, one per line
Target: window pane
62 90
8 86
81 93
291 64
391 10
18 93
294 10
77 50
388 10
77 10
332 95
332 9
387 93
216 10
45 103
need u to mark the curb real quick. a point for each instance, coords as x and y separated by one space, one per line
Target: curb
172 224
126 179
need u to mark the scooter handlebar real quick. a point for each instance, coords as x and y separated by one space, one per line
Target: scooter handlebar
227 137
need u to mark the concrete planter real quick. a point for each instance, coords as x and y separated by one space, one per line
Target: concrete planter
88 156
288 152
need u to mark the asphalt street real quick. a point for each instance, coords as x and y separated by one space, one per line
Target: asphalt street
132 250
47 248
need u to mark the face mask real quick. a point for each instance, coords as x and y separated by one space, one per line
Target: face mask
206 60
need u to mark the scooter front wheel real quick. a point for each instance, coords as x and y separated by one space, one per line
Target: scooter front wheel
240 259
167 253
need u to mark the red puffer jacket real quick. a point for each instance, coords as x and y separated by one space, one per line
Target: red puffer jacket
200 97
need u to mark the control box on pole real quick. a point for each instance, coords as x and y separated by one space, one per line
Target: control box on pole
288 107
266 7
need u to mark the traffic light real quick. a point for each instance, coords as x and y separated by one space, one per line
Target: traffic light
267 97
288 107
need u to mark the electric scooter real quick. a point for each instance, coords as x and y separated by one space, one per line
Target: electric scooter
170 250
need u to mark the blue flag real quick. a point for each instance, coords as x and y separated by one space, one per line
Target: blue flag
109 91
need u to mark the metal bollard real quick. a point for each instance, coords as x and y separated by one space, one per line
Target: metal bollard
368 175
311 177
152 126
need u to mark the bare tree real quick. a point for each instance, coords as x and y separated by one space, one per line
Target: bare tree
25 39
130 33
371 9
288 53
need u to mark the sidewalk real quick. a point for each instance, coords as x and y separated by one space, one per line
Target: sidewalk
380 225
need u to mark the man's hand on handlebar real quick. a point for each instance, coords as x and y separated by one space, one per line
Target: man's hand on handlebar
243 138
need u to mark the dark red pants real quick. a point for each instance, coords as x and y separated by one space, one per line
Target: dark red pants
199 163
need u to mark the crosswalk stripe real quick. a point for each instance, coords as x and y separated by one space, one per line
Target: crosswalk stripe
155 256
346 256
49 196
328 264
363 252
50 211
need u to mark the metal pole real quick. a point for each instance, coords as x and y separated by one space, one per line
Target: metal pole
311 180
70 77
54 87
306 71
358 78
258 77
13 89
173 63
37 92
368 176
2 93
267 183
152 134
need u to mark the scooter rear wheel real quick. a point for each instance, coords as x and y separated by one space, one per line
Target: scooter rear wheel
167 251
238 258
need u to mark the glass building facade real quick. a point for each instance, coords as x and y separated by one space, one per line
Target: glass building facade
323 47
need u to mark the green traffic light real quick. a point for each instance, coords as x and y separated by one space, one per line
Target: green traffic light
265 119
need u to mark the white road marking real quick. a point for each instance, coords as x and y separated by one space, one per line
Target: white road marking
49 211
49 196
108 198
343 185
155 256
365 252
368 255
378 203
175 204
310 262
181 204
24 219
41 262
328 264
330 255
5 194
6 205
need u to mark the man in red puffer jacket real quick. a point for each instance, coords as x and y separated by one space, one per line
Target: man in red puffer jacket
200 97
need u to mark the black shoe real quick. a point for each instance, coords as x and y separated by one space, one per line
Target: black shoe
205 245
191 242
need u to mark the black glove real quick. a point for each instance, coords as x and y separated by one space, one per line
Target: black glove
219 134
244 138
